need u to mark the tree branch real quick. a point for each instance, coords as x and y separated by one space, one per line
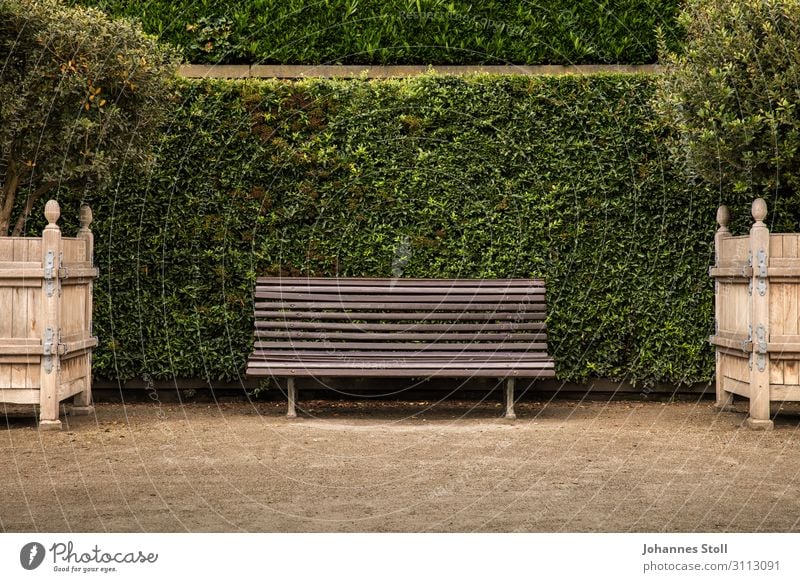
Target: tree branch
10 185
31 202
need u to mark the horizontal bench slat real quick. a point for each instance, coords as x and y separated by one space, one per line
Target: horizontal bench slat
396 358
441 327
400 290
507 297
368 336
422 308
478 372
385 281
443 345
372 315
394 365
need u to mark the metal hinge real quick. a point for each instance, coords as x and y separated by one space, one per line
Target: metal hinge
49 349
49 273
762 272
760 346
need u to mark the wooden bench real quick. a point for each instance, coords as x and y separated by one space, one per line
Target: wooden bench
442 328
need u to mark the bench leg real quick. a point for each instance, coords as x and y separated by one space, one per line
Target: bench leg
291 391
510 398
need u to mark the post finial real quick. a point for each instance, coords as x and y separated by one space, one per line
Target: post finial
723 217
759 209
85 216
52 212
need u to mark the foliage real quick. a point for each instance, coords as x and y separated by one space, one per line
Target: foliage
732 98
80 94
435 176
406 31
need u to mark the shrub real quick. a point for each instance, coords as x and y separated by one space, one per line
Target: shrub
79 95
731 97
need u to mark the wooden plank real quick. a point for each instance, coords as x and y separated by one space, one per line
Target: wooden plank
19 376
73 310
35 315
19 342
400 363
20 358
739 343
28 265
404 373
390 290
358 281
368 336
353 356
23 273
422 307
34 248
14 283
736 386
410 316
6 250
5 376
777 300
21 250
775 246
734 250
775 372
737 272
786 272
399 327
442 345
68 389
735 366
789 246
19 312
77 346
22 396
791 371
785 393
74 250
77 275
6 307
21 349
344 300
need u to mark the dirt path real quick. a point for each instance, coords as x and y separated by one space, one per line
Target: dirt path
380 466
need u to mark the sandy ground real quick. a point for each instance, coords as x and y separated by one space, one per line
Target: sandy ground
384 466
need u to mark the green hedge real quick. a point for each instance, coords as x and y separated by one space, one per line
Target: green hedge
557 177
406 31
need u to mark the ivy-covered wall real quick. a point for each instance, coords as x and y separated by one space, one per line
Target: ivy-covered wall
555 177
406 31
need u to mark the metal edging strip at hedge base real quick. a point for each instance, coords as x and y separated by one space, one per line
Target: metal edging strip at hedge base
385 72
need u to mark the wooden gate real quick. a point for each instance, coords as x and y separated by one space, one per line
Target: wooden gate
757 336
46 318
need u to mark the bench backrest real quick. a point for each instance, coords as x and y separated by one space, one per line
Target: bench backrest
325 315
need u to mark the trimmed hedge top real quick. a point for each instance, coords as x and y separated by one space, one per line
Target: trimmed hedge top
406 31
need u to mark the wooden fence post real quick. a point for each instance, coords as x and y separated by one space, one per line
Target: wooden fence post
760 374
724 398
51 318
82 403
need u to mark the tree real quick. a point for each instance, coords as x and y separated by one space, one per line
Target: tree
732 95
80 94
